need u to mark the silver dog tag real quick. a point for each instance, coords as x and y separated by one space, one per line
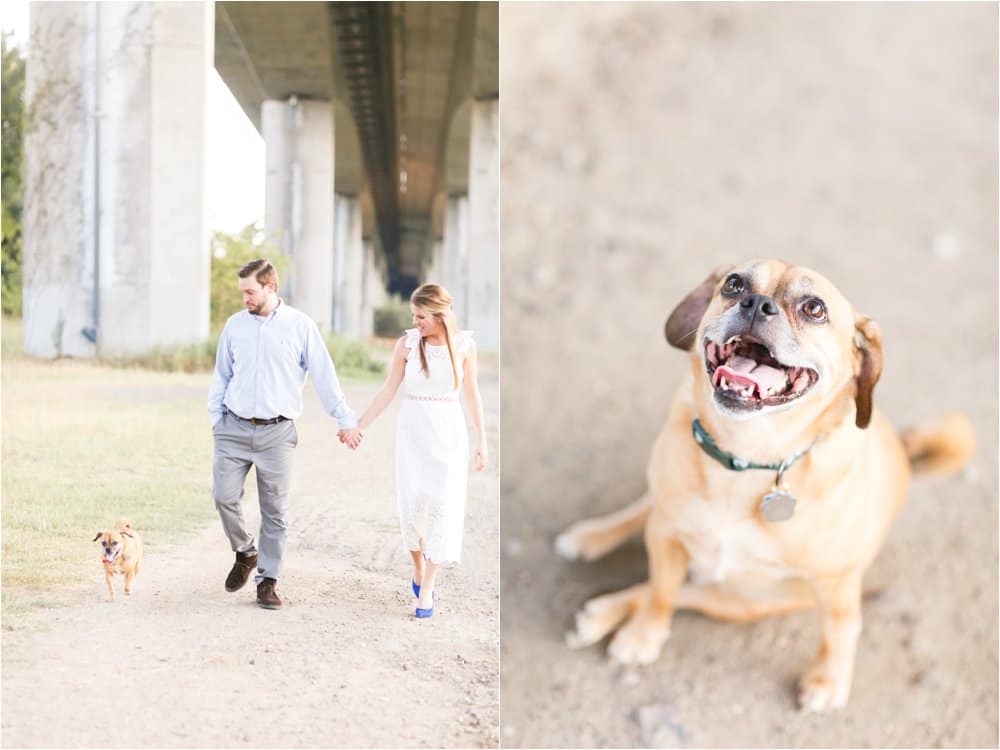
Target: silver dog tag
778 505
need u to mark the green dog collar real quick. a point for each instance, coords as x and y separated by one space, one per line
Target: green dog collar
731 462
735 463
779 503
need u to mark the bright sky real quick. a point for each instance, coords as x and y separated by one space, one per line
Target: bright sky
235 153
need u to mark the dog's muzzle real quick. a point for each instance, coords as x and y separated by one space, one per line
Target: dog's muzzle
745 373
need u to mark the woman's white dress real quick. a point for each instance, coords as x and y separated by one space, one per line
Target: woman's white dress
432 451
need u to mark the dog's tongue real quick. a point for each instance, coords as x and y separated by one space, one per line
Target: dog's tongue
744 370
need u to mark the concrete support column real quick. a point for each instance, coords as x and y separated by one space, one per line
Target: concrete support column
484 224
116 249
349 262
373 288
454 252
298 199
377 278
437 256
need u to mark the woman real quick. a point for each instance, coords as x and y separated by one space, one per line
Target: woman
435 360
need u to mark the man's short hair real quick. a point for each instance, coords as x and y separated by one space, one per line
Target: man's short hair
262 271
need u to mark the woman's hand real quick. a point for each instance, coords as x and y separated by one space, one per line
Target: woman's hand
480 456
351 438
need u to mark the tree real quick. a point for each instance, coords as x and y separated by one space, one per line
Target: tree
12 140
230 252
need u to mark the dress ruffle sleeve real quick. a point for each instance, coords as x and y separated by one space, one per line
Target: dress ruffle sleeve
412 341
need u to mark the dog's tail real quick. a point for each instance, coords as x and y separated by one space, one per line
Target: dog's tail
123 525
941 447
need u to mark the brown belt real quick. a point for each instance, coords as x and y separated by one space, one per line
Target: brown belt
258 420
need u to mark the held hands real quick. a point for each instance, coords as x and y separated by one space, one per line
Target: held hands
351 438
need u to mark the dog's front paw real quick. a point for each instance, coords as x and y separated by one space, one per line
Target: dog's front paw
587 540
640 641
819 691
602 614
598 617
568 545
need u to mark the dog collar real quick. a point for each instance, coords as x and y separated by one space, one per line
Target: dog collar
779 503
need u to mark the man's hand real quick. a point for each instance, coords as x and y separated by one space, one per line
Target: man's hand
351 438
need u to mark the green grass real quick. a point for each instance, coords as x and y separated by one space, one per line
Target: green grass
85 443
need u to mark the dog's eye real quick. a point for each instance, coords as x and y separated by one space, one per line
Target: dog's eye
814 309
733 285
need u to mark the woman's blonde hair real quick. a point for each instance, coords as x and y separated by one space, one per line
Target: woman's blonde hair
435 300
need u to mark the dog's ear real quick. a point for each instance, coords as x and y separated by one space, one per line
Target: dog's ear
868 366
98 535
683 321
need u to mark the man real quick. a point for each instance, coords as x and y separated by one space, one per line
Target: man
261 364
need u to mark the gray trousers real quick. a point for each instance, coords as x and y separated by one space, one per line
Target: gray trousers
238 446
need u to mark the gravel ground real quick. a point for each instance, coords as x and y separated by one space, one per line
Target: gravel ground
182 663
644 144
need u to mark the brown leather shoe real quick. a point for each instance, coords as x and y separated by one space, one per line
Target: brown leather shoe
266 597
245 564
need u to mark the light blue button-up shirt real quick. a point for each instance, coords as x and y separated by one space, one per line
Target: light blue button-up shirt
261 366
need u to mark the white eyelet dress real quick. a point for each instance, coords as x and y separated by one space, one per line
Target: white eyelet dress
432 451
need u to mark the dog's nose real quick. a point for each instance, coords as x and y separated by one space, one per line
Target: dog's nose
757 305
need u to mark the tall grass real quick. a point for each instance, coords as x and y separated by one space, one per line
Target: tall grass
353 359
393 317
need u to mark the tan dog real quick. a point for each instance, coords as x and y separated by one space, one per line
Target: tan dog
121 552
782 370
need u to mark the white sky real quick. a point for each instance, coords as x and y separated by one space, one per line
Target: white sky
235 153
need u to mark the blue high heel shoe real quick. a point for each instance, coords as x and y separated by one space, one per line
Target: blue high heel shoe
414 584
423 613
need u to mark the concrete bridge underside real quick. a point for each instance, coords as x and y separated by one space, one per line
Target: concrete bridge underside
380 127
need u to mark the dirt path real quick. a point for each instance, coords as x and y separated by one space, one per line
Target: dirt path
181 663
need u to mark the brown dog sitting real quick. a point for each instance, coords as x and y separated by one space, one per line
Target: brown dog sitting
121 553
773 483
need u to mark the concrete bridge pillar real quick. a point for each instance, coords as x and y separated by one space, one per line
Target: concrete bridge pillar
434 266
298 199
484 224
373 288
454 252
349 263
116 246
